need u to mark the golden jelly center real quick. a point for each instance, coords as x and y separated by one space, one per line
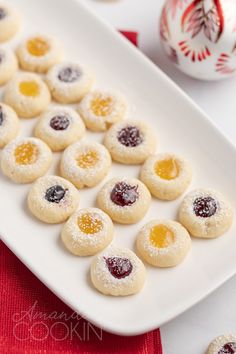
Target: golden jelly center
37 46
29 88
26 154
102 106
161 236
88 159
89 224
167 169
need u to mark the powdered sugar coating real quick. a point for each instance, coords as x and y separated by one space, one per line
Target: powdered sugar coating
128 214
215 346
117 109
42 63
60 139
85 177
206 227
10 125
25 173
128 154
9 24
8 65
50 212
107 284
162 188
83 244
26 106
168 256
69 92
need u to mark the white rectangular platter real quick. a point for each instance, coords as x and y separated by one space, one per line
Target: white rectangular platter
180 127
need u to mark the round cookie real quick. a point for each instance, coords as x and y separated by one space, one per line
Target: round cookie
118 272
9 124
60 127
163 243
23 160
69 82
27 94
125 200
87 232
9 21
205 213
85 163
39 53
52 199
100 109
167 176
225 344
130 141
8 65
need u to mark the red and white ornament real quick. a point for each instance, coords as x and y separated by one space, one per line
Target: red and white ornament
199 36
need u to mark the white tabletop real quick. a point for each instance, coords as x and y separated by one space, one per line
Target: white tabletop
191 332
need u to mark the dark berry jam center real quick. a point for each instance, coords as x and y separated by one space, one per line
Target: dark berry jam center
228 348
130 136
204 207
3 13
69 74
59 122
55 194
1 116
124 194
119 267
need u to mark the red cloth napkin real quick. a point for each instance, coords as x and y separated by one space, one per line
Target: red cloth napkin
35 321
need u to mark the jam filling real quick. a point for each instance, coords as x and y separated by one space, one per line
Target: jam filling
130 136
204 207
161 236
3 13
59 122
55 194
37 47
29 88
69 74
89 224
102 106
26 154
88 160
228 348
167 169
124 194
1 116
119 267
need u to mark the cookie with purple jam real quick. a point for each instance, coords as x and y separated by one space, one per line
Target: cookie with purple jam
224 344
117 272
125 200
206 213
130 141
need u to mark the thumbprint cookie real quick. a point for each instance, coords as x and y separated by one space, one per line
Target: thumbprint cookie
8 65
224 344
130 141
52 199
100 109
23 160
163 243
87 232
39 53
27 94
9 21
206 213
9 124
167 176
118 272
125 200
69 82
59 127
85 163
